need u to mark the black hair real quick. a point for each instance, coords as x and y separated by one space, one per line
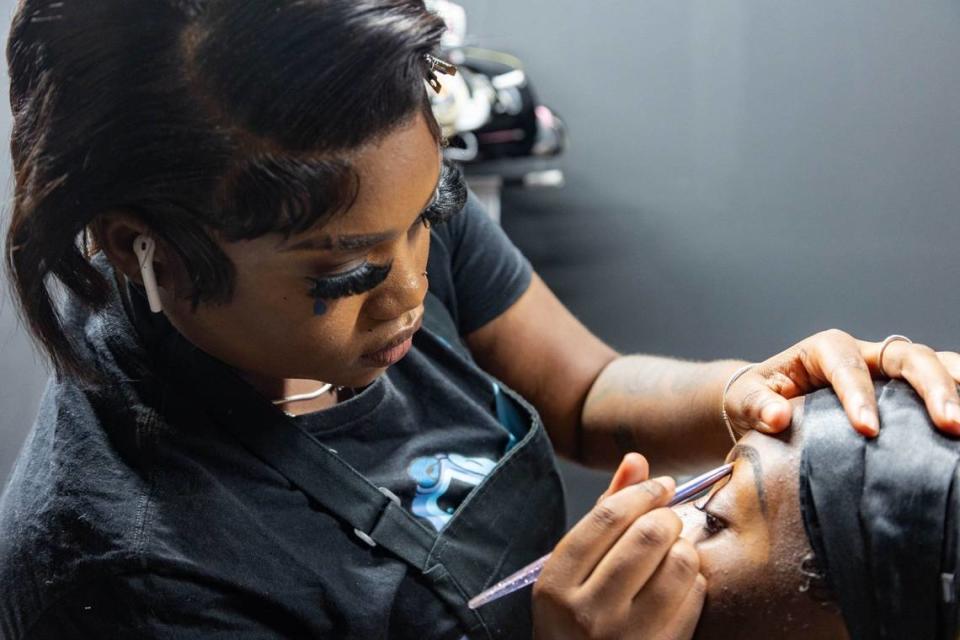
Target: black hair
200 117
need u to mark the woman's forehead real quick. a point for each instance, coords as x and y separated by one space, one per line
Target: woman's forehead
396 178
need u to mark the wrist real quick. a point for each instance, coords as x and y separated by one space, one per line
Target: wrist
734 375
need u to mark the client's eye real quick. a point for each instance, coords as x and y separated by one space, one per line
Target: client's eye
712 524
349 283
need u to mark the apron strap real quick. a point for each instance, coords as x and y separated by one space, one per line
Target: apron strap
375 514
316 470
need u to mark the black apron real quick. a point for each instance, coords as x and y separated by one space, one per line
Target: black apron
515 515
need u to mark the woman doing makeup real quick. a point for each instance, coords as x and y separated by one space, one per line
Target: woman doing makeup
304 435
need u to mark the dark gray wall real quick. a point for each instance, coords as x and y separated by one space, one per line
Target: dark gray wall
742 174
747 172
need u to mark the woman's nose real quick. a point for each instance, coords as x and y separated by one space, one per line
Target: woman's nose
402 292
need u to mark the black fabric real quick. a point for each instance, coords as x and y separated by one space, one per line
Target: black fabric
176 502
474 269
881 515
429 456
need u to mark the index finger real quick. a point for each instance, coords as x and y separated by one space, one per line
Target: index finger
840 361
922 367
587 543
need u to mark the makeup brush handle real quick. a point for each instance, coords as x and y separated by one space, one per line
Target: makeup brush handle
514 582
529 574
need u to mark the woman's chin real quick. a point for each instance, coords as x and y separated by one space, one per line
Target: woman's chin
361 379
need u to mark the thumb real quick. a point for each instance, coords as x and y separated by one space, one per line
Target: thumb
753 405
632 470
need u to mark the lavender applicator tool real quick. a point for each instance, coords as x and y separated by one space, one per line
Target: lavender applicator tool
529 574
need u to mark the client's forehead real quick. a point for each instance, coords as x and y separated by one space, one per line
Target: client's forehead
745 453
774 462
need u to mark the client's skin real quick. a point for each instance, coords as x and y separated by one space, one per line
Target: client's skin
751 541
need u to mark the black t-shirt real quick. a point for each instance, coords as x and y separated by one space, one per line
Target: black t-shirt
130 514
432 455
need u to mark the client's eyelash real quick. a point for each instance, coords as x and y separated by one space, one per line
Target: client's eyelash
712 524
350 283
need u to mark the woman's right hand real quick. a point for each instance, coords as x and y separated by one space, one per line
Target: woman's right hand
622 571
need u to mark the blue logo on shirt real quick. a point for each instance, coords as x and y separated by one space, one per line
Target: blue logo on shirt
443 481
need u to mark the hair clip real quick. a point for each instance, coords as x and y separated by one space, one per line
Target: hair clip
436 65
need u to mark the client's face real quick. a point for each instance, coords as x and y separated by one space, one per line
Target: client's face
750 537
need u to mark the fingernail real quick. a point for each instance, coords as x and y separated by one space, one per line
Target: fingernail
952 410
763 427
768 413
869 421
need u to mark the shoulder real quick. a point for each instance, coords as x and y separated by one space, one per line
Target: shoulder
73 476
448 237
70 504
475 270
92 492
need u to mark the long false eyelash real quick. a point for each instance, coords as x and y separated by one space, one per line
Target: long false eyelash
450 199
426 219
360 280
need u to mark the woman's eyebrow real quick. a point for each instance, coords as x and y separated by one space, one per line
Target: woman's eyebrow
355 242
342 243
753 457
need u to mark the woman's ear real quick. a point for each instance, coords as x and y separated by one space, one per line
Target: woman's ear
115 235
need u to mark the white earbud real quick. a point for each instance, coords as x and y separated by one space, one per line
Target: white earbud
144 246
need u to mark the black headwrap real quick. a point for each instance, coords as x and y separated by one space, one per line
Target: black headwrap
881 515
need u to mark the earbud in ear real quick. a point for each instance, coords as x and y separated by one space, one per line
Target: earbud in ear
144 246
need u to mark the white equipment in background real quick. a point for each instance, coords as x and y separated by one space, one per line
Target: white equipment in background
497 129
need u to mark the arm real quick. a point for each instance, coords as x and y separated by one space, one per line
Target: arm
667 409
596 404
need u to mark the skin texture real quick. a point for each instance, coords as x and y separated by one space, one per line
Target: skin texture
751 555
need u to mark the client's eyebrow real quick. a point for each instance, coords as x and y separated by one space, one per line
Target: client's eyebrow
751 455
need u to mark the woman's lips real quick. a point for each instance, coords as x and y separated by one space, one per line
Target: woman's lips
395 350
387 357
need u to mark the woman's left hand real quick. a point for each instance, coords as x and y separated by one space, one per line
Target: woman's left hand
758 399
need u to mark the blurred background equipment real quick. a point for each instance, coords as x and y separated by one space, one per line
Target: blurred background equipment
489 112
